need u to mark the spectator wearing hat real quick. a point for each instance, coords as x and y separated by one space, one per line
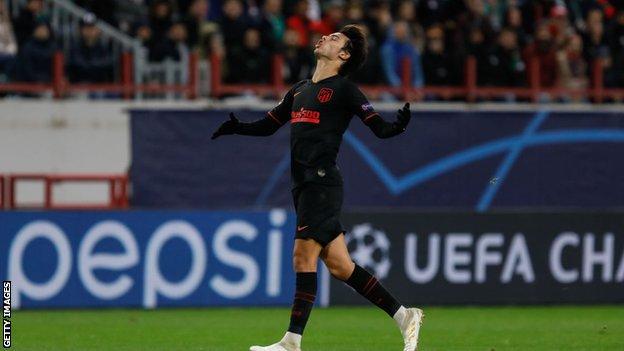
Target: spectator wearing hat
89 59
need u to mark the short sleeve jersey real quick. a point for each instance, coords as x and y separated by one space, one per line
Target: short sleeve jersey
319 114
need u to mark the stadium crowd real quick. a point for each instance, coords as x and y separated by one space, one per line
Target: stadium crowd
436 35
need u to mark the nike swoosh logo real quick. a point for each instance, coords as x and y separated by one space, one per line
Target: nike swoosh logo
297 93
302 228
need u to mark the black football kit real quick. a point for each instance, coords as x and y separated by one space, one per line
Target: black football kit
319 114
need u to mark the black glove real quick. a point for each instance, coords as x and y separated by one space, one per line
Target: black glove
403 117
228 127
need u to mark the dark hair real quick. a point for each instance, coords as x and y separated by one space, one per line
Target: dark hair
356 46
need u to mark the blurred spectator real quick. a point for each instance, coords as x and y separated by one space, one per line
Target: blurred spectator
333 17
27 21
89 59
299 60
300 23
571 66
543 49
477 47
438 64
504 63
233 25
161 18
250 63
196 20
143 32
8 45
35 58
395 49
371 72
354 12
513 20
596 46
378 19
272 24
432 11
172 47
616 40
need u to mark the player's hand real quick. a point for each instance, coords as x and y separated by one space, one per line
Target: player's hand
228 127
403 116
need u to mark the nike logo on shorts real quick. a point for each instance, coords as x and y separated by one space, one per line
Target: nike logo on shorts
302 228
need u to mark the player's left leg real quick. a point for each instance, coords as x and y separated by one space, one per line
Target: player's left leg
305 257
339 263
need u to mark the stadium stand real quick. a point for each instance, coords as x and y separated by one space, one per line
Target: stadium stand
501 50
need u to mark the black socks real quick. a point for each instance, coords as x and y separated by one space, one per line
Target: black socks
304 300
369 287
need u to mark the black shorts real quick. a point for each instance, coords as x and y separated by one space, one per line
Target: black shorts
318 212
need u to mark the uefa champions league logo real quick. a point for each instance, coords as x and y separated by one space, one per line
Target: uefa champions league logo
370 248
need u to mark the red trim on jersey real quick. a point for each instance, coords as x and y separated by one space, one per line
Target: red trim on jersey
371 115
305 120
275 119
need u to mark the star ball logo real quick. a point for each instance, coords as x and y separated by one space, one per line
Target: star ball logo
6 314
370 248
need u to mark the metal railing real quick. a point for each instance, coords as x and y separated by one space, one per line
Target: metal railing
65 16
117 190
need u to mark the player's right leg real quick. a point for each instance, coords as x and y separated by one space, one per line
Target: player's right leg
339 263
305 257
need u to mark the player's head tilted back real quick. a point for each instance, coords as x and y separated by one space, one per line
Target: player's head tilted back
347 48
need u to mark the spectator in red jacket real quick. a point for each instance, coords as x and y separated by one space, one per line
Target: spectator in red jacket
300 23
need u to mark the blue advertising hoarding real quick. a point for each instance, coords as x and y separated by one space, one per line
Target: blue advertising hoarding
147 259
463 160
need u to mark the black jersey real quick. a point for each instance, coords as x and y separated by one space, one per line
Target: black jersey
319 114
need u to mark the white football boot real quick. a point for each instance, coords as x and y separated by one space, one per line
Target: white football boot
410 327
290 342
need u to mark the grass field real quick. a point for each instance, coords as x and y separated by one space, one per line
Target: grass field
592 328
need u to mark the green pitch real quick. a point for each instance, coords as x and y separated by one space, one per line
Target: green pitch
592 328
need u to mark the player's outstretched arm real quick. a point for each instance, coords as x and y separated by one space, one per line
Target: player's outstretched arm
383 129
262 127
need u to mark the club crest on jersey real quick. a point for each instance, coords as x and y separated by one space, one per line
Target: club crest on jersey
324 95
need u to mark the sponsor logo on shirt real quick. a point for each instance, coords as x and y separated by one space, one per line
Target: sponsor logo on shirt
305 116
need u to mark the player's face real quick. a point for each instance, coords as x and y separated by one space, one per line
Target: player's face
332 47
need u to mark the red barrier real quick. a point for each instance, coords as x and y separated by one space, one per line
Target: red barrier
58 74
192 76
471 78
470 91
118 192
2 193
126 74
